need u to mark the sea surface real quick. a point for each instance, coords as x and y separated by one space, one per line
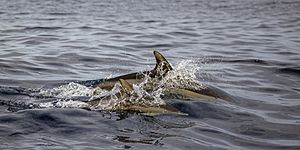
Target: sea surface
249 49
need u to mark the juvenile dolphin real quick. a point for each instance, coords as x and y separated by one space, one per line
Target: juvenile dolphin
130 101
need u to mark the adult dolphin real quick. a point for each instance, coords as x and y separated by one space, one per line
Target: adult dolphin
161 69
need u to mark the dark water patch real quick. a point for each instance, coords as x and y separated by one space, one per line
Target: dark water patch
45 118
290 70
151 21
88 27
287 53
251 61
32 42
41 121
263 26
265 132
151 46
271 90
256 132
202 110
296 89
188 34
14 90
22 13
48 19
61 14
290 2
267 65
35 69
248 42
210 131
269 41
41 28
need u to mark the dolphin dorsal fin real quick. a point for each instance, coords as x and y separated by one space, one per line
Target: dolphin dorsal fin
126 87
161 63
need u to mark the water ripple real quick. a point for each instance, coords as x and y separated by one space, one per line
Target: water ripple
249 49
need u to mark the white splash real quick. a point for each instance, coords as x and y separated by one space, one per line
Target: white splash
69 90
64 104
148 92
183 75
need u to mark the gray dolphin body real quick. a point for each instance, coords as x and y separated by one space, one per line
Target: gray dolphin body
161 69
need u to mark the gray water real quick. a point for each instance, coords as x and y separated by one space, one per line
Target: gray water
247 48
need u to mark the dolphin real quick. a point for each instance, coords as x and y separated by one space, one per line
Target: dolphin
160 70
127 99
130 101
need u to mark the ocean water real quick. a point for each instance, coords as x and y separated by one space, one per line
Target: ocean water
249 49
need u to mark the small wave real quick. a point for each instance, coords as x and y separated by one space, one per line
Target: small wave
151 21
188 34
61 14
152 46
254 61
42 28
263 26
